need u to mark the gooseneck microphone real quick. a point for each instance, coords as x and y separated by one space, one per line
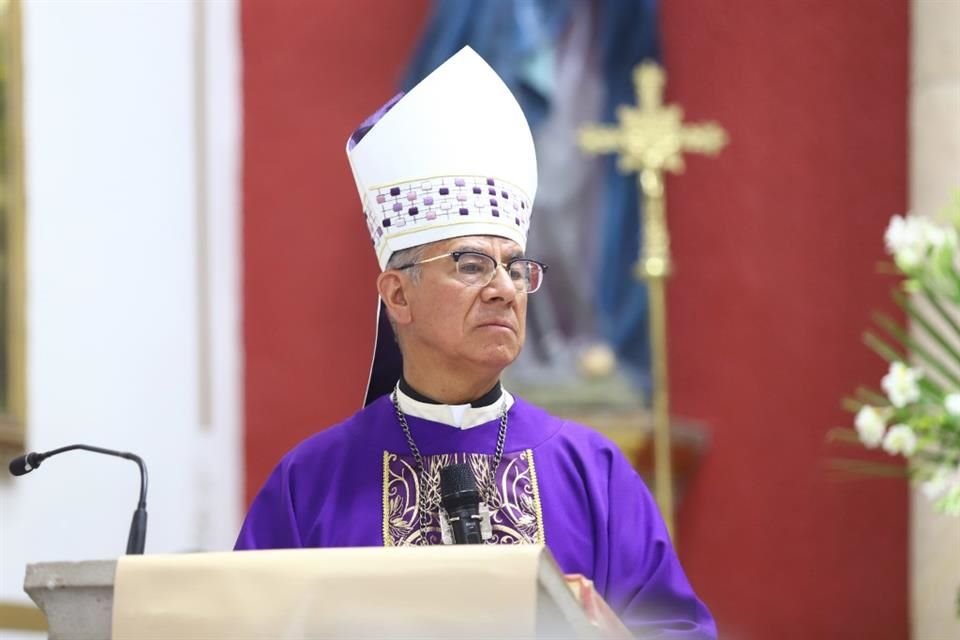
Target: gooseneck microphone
461 500
137 538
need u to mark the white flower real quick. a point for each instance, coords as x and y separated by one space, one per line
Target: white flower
936 237
900 439
870 425
907 241
938 483
950 503
900 384
941 237
952 404
944 490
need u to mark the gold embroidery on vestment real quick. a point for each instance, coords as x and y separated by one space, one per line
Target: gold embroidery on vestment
514 497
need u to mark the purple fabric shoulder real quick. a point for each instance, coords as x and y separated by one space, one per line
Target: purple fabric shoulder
602 521
598 517
314 485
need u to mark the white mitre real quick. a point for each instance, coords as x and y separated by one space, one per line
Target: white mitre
452 157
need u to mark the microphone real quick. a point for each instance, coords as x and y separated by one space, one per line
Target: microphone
461 500
137 538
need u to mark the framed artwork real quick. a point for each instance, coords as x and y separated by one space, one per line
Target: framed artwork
12 238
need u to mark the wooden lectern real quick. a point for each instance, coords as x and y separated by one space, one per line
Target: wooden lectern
468 591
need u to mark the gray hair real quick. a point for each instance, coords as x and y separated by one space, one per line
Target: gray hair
408 256
399 259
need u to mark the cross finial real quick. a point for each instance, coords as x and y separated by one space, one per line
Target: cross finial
648 81
653 135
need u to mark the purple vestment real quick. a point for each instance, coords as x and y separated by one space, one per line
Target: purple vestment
559 482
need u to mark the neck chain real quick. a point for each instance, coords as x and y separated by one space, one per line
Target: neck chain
488 488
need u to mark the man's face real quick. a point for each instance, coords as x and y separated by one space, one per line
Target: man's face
475 326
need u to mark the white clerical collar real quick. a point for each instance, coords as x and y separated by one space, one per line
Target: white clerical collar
460 416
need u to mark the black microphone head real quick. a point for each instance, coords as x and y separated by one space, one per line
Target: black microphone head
458 487
22 465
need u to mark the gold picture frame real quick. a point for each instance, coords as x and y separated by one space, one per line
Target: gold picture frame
13 408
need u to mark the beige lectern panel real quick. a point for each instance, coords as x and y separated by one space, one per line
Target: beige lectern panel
424 592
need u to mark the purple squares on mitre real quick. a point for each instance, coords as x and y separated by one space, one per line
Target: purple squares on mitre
447 200
424 201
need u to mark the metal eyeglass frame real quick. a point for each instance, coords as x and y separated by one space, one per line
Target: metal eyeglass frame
456 255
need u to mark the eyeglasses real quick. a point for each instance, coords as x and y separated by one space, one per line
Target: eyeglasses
478 269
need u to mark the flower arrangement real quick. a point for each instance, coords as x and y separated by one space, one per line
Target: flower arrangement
916 414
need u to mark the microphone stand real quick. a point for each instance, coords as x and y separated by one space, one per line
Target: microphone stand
136 539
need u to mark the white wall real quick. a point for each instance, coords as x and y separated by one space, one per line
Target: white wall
934 176
122 261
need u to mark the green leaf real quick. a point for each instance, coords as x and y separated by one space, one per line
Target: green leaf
851 405
872 397
899 334
921 319
944 315
881 348
888 268
932 391
843 434
867 468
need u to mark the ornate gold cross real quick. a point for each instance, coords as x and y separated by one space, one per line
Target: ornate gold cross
649 140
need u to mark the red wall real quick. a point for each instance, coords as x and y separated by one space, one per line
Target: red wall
312 71
775 241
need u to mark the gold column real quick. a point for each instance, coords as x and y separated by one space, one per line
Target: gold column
13 217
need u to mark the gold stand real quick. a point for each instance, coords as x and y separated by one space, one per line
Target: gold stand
649 140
